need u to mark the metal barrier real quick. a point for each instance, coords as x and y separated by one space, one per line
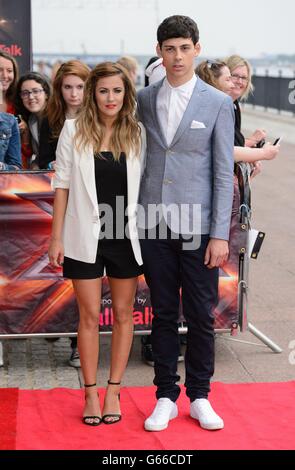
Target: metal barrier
273 92
36 300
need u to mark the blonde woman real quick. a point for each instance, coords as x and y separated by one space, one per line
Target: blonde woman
217 74
131 65
98 163
241 73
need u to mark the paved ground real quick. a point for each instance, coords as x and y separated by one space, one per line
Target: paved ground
36 363
277 125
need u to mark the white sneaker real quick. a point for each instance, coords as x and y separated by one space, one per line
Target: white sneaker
164 410
74 360
204 413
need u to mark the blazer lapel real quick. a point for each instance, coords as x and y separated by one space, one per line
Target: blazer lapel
153 103
197 101
87 170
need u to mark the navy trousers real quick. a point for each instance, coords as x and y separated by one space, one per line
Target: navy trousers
169 268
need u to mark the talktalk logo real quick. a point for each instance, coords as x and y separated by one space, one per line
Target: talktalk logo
13 50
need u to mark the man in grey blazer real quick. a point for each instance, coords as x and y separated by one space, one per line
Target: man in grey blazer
188 183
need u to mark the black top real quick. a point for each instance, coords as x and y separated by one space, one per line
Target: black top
111 189
47 145
239 138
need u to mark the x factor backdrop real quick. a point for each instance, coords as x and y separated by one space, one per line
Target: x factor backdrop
34 297
15 31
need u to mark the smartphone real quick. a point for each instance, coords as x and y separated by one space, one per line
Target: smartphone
260 144
277 141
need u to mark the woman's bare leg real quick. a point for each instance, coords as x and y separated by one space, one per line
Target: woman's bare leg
123 293
88 294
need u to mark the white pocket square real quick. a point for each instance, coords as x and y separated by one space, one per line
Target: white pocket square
197 125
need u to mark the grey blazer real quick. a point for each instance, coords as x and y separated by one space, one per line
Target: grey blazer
197 167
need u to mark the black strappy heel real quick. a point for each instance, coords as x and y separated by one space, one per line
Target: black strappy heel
97 418
116 416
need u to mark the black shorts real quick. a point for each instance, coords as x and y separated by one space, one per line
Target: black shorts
115 258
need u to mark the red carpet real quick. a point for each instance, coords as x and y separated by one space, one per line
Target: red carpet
8 412
257 416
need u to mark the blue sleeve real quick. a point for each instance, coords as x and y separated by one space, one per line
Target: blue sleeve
13 159
223 170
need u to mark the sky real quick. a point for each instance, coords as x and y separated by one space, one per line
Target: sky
250 28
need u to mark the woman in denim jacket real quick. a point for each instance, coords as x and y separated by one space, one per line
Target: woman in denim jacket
10 147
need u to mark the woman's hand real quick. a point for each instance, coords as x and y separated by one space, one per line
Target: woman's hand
270 151
56 253
256 169
257 136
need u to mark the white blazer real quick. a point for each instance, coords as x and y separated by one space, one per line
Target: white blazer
75 171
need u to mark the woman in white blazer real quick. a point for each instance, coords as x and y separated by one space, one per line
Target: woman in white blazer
98 169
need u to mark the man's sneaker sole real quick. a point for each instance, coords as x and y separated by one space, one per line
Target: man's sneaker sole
72 364
157 427
208 427
75 364
160 427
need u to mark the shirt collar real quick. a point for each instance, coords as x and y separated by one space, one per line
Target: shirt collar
186 88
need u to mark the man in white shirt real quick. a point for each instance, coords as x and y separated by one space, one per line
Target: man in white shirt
189 166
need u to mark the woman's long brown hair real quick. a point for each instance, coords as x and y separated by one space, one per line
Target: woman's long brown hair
90 128
56 110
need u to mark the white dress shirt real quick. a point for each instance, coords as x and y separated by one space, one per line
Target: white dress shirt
171 105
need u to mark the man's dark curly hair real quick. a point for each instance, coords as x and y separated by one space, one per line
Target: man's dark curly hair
177 26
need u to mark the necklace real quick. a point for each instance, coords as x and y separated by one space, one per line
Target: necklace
71 115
